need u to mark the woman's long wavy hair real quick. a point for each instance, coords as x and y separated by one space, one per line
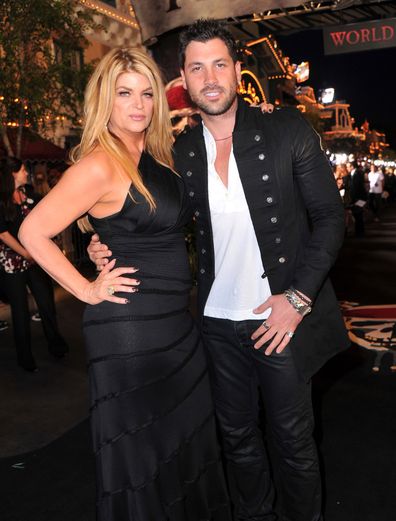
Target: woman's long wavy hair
8 166
99 100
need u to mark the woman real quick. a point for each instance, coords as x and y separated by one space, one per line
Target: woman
151 412
19 270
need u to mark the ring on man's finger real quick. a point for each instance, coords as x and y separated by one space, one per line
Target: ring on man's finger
264 324
290 334
110 290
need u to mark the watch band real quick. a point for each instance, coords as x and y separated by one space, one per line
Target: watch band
300 305
302 297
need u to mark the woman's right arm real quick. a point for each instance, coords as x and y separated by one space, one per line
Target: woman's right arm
82 187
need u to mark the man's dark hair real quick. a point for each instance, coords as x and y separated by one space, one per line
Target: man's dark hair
354 164
204 30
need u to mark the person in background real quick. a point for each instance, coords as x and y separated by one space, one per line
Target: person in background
3 298
357 194
17 199
54 174
343 184
390 184
376 180
40 183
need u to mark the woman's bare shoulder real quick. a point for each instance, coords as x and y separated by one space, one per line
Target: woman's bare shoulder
96 165
97 162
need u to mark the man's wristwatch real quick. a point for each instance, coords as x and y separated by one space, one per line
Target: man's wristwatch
303 307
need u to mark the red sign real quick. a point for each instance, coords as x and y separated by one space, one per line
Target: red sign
360 37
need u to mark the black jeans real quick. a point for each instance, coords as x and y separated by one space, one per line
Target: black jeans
358 215
41 287
375 201
237 371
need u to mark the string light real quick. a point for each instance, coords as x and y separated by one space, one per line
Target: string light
110 13
131 10
271 47
106 11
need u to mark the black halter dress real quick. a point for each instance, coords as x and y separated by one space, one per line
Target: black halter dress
152 419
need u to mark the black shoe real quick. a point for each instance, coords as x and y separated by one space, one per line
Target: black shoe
58 350
30 367
3 325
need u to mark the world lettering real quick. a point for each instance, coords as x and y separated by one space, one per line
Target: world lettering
378 34
363 35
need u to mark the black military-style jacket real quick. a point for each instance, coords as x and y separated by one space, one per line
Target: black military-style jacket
296 211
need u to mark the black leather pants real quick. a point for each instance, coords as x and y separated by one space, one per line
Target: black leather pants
237 371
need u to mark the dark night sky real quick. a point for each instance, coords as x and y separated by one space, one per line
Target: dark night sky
365 79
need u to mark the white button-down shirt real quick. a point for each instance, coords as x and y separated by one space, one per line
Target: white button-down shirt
238 287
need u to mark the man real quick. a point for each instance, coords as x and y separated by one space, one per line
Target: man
376 179
269 224
355 182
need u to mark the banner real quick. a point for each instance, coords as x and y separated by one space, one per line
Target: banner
155 17
360 37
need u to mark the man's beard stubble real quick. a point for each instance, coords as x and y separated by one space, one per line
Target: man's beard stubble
207 108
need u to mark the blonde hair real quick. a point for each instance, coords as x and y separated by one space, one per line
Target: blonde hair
99 100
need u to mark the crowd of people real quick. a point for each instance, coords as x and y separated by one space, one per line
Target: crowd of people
365 188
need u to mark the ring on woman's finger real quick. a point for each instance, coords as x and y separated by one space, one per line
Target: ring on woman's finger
290 334
110 290
264 324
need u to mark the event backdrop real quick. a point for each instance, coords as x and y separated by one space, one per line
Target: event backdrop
158 16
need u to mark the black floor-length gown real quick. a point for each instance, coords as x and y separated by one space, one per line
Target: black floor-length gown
151 411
